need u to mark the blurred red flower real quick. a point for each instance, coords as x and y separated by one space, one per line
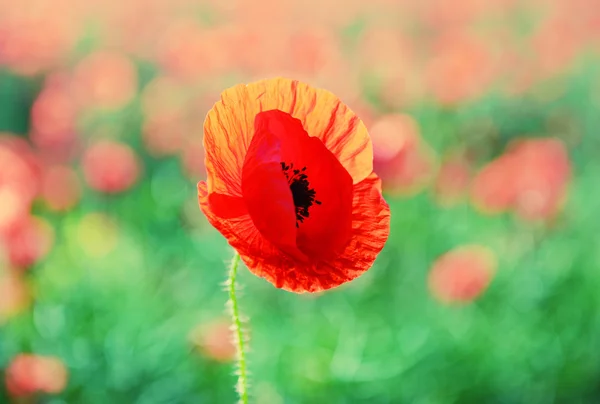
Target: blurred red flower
310 50
531 178
453 180
402 158
106 80
53 115
192 160
215 340
19 179
462 274
14 293
188 51
555 45
110 166
60 188
389 59
38 36
29 374
28 241
291 184
166 104
461 68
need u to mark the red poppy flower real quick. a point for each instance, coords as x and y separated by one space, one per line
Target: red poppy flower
404 160
462 274
29 374
19 177
453 180
105 80
60 188
28 241
531 178
290 184
110 166
14 293
215 340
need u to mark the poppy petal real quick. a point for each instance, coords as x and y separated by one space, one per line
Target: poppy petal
229 128
370 230
260 256
227 136
226 206
321 188
267 193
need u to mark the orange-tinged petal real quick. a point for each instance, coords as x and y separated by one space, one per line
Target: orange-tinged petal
242 234
370 230
229 128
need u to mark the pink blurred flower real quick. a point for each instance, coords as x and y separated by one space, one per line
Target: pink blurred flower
28 241
120 26
386 55
38 36
544 172
310 50
555 46
14 293
192 159
461 68
19 180
165 103
105 80
531 178
328 13
215 340
443 15
29 374
453 180
53 115
405 163
61 189
110 166
491 190
190 52
462 274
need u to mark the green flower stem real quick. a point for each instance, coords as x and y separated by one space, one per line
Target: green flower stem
240 343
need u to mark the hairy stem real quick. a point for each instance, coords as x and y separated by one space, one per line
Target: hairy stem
240 343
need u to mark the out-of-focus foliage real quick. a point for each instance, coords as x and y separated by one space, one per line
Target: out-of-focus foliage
485 118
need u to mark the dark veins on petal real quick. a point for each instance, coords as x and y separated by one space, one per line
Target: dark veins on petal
303 195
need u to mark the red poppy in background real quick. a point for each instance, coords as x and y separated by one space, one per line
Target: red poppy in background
462 274
28 241
53 115
404 160
166 105
453 180
461 69
29 374
290 184
19 179
60 188
531 178
215 340
37 36
105 80
110 166
14 293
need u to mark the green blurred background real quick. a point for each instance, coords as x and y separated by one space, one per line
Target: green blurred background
111 278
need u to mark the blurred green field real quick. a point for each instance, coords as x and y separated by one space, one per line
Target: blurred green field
132 287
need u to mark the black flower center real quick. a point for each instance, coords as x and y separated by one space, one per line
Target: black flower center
303 195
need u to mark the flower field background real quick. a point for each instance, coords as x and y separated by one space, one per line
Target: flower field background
485 119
